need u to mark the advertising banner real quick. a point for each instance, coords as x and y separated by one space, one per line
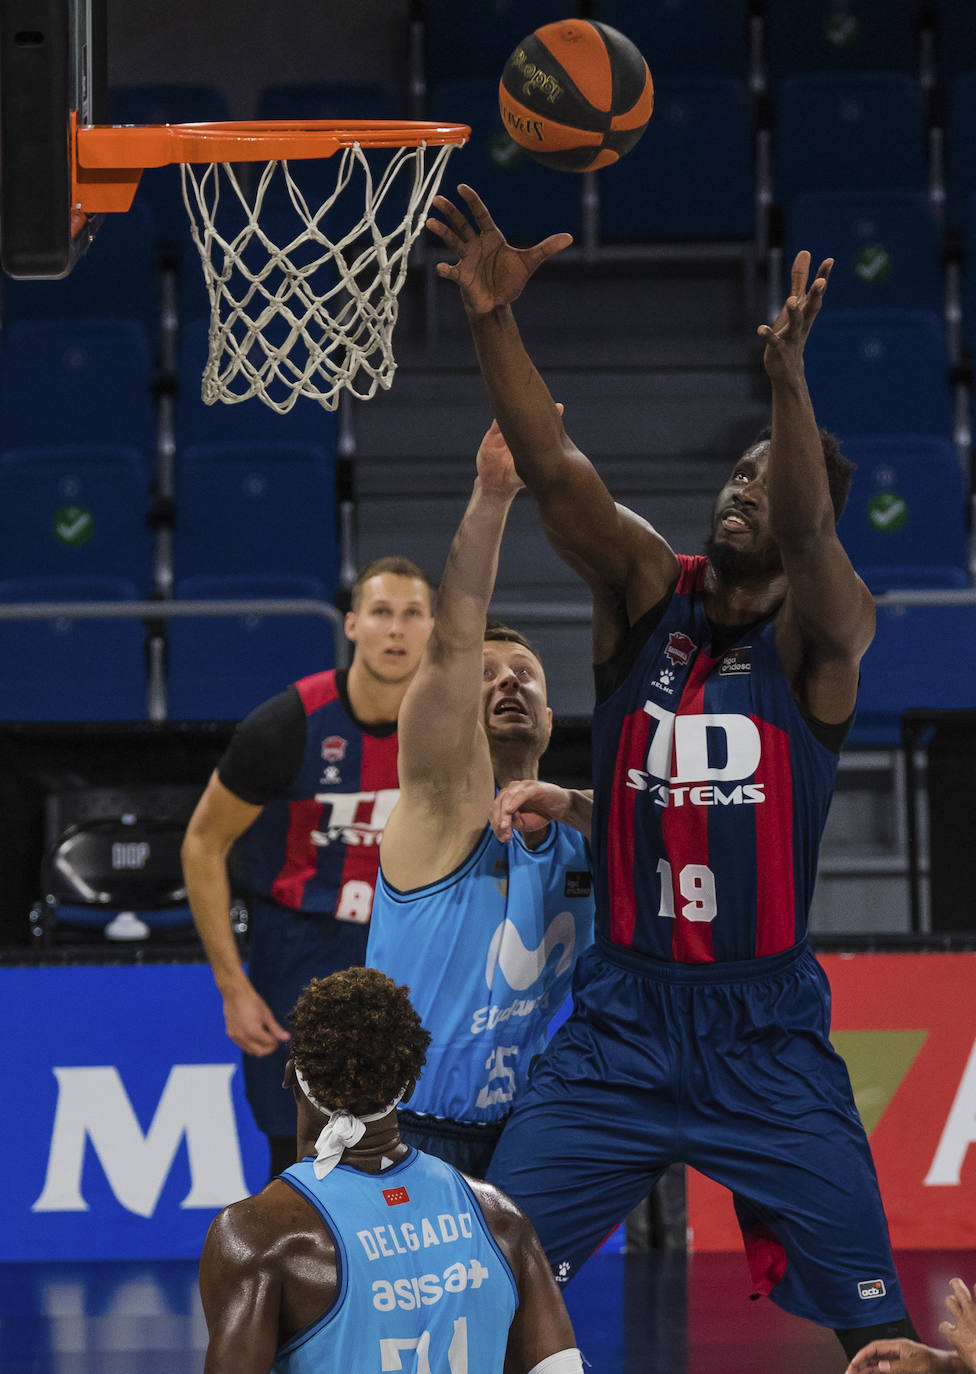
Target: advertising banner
906 1025
124 1127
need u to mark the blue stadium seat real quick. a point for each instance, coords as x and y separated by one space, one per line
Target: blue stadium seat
922 657
75 510
220 669
886 247
527 201
847 130
880 372
68 669
685 37
197 423
955 38
268 505
62 379
116 277
702 123
477 40
856 35
960 140
905 521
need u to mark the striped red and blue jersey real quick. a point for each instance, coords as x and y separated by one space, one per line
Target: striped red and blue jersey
711 794
316 847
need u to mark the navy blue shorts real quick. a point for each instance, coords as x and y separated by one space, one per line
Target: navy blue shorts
287 950
727 1068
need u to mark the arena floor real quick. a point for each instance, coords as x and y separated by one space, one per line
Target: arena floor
633 1314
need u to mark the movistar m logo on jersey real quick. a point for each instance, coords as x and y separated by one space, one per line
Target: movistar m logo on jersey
521 967
701 760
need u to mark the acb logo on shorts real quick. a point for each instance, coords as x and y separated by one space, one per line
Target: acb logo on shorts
871 1288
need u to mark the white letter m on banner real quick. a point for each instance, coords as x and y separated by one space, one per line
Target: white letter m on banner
93 1104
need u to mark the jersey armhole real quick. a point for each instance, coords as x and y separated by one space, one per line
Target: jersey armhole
342 1270
608 676
486 1229
831 736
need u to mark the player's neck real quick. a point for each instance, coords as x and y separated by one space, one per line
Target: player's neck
379 1147
512 761
373 700
729 602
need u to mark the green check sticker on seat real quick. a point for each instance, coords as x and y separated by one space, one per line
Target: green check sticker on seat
73 525
887 512
873 263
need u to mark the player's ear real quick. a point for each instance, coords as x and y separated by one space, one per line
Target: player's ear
289 1080
408 1094
349 626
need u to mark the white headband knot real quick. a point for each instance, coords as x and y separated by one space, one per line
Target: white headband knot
341 1130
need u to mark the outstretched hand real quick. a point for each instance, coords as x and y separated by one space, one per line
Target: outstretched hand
786 337
489 271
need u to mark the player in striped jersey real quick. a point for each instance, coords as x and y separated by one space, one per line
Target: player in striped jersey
303 791
725 687
367 1254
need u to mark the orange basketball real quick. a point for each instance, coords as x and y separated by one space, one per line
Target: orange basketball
576 95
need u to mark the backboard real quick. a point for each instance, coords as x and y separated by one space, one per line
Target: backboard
52 70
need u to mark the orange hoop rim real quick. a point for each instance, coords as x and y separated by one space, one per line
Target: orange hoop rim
106 147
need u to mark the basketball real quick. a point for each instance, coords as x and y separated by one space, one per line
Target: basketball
576 95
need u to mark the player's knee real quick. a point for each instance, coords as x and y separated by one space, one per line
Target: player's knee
859 1336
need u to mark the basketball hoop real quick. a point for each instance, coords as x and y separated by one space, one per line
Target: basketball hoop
302 302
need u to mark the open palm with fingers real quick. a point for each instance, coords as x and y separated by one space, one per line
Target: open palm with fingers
786 337
489 271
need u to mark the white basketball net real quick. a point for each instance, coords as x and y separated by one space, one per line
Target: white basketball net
306 316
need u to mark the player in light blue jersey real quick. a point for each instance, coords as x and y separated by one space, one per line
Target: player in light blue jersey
486 934
368 1255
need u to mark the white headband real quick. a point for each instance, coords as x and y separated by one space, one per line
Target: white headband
341 1129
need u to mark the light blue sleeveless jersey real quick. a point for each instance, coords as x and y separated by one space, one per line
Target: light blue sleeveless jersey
488 954
422 1284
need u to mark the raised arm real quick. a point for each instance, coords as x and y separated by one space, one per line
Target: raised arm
444 764
827 620
611 549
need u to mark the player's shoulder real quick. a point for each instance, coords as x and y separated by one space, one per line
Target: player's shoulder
506 1221
245 1233
318 689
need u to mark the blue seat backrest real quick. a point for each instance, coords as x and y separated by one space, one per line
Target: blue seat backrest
886 246
80 379
702 123
847 129
69 669
269 505
220 669
880 372
75 510
905 521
